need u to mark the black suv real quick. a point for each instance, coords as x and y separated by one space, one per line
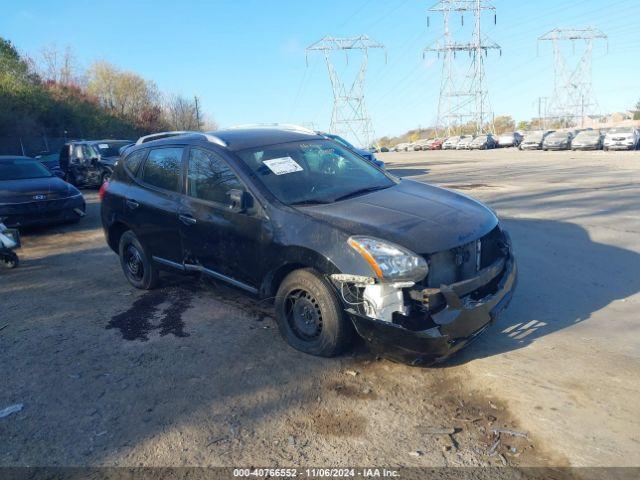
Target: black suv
342 246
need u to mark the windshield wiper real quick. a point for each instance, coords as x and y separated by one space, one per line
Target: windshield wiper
361 191
311 201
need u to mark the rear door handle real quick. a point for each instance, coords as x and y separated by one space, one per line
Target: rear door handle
132 204
187 219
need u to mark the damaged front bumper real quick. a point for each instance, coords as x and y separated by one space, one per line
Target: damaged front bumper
454 326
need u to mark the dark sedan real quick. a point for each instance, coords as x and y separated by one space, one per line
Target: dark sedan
31 195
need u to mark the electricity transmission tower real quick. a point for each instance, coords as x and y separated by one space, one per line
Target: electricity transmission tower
349 116
573 97
463 96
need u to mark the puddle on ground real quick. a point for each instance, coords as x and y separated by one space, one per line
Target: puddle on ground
145 315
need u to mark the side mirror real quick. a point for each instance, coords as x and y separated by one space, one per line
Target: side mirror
58 173
93 161
239 200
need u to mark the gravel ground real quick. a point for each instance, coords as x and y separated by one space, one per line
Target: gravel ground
196 374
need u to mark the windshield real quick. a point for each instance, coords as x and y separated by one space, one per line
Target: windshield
621 130
341 141
453 139
533 137
558 135
480 139
22 170
110 149
318 171
589 134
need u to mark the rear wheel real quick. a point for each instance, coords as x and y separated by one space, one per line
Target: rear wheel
136 263
310 316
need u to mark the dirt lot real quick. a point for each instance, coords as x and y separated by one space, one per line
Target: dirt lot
196 373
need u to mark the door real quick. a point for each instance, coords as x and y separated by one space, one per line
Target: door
152 202
224 241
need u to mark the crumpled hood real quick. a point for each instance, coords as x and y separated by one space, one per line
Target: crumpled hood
24 190
421 217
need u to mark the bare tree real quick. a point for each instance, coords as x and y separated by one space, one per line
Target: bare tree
59 66
124 93
182 113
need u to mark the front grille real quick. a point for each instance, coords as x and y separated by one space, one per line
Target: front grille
463 262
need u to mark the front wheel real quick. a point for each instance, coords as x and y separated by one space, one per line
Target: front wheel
310 316
106 176
136 263
9 260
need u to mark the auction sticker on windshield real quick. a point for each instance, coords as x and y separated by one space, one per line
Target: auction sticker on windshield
283 165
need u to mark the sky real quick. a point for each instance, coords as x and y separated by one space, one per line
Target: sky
246 61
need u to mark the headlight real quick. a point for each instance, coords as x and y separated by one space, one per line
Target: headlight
389 261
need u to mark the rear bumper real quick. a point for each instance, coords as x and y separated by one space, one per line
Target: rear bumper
43 213
457 325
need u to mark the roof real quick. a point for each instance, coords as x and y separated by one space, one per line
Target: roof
14 157
237 139
243 138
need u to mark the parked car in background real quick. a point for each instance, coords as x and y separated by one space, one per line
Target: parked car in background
31 195
401 147
294 216
510 139
52 162
533 140
588 140
79 160
622 138
451 143
465 142
109 153
483 142
367 154
384 149
435 144
558 141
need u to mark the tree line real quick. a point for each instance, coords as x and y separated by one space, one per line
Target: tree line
50 95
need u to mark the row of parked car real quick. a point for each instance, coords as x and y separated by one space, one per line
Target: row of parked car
620 138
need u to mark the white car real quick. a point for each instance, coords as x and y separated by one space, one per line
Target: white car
451 143
622 138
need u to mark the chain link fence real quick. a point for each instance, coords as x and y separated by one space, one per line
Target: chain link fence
30 145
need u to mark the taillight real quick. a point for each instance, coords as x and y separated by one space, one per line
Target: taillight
103 190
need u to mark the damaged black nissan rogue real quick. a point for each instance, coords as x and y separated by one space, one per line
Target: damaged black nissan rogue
342 246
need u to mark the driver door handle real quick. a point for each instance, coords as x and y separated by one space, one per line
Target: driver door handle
132 204
187 219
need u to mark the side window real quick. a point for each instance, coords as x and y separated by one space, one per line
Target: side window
133 161
162 168
209 177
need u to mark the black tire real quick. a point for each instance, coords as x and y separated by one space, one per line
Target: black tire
136 262
105 177
310 316
9 260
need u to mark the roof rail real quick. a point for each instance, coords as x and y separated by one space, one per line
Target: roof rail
209 136
278 126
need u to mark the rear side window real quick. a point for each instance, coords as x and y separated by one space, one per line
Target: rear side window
209 178
162 168
133 161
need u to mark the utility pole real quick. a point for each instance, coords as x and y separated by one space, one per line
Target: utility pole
195 101
463 96
349 116
542 117
573 95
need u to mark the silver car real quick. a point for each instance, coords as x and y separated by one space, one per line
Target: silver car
558 141
533 140
588 140
465 142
